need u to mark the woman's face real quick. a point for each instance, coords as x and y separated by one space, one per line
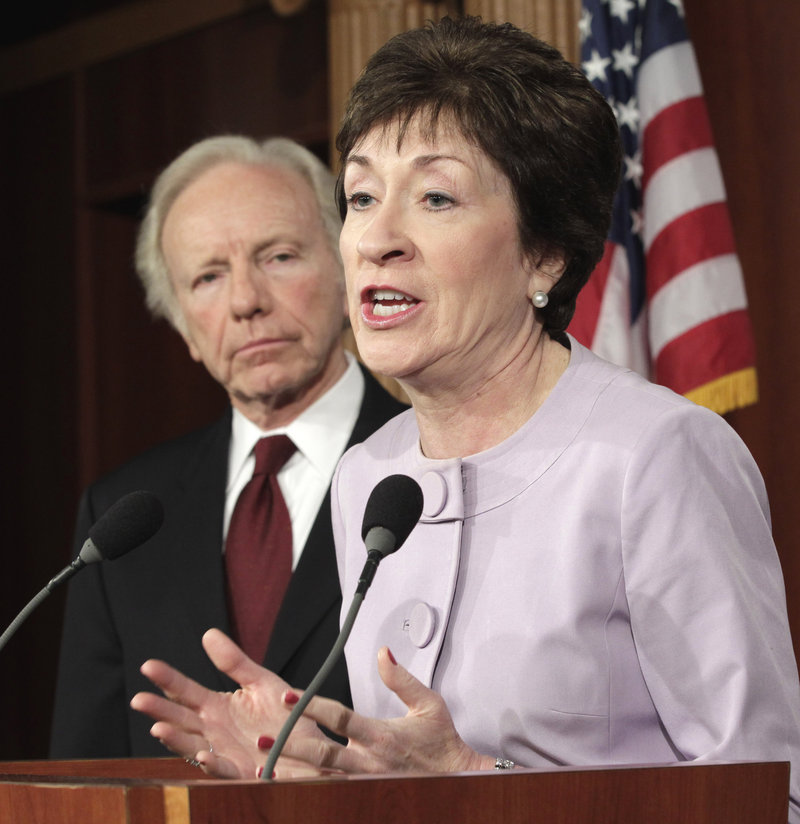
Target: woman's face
438 286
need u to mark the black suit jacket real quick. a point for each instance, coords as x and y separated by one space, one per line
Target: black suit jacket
158 600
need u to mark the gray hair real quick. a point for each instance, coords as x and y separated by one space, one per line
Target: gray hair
276 152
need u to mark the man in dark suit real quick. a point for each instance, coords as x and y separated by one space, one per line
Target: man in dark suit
239 251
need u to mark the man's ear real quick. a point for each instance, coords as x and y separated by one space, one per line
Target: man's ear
193 350
179 325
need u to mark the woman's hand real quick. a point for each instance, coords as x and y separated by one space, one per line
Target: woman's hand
424 740
219 730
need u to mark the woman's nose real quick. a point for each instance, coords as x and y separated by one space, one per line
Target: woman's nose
385 238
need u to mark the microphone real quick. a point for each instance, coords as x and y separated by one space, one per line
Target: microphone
393 509
128 523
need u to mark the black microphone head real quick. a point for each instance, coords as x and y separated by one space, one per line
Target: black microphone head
128 523
395 505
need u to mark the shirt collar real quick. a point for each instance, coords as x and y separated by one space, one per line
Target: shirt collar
320 433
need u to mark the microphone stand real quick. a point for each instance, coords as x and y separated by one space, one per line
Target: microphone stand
374 557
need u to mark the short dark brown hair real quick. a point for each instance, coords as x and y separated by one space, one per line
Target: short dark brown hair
531 111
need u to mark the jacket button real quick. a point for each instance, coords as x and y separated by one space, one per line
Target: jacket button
434 490
421 625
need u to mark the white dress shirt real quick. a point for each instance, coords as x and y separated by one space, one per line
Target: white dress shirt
320 434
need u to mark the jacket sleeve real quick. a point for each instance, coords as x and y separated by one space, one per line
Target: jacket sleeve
706 595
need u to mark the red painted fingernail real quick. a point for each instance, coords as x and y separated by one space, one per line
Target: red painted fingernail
265 742
259 772
391 657
290 697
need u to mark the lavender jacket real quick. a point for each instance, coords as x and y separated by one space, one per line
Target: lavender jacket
600 588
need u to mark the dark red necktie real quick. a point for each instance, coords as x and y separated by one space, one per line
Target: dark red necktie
258 550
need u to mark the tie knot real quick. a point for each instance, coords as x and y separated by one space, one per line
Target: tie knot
272 453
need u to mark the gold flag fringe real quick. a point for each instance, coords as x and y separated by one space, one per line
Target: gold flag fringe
729 392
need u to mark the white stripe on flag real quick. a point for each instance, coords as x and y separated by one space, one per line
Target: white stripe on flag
666 77
711 288
687 182
614 337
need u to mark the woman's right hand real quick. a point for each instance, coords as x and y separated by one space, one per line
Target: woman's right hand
218 730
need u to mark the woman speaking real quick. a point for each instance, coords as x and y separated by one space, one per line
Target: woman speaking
593 579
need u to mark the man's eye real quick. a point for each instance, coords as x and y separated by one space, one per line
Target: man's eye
277 257
206 277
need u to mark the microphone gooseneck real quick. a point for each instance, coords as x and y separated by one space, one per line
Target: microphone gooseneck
128 523
393 509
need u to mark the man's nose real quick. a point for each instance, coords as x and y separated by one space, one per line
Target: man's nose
248 294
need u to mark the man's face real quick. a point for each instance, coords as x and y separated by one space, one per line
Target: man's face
258 286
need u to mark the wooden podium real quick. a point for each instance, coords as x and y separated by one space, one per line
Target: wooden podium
167 791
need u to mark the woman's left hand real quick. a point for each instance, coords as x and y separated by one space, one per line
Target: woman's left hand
424 740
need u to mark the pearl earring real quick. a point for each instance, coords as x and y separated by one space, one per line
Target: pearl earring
540 299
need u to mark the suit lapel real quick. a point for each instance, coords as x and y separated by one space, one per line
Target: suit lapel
197 560
314 587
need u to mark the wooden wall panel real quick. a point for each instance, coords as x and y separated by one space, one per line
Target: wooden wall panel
256 74
555 21
357 28
37 336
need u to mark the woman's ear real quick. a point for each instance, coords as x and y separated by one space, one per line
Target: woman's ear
545 270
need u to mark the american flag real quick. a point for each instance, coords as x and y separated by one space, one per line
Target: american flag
668 298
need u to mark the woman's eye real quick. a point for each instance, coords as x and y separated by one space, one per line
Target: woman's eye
437 201
359 200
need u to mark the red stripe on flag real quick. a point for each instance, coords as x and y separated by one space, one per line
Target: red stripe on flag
680 128
695 236
587 311
705 353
